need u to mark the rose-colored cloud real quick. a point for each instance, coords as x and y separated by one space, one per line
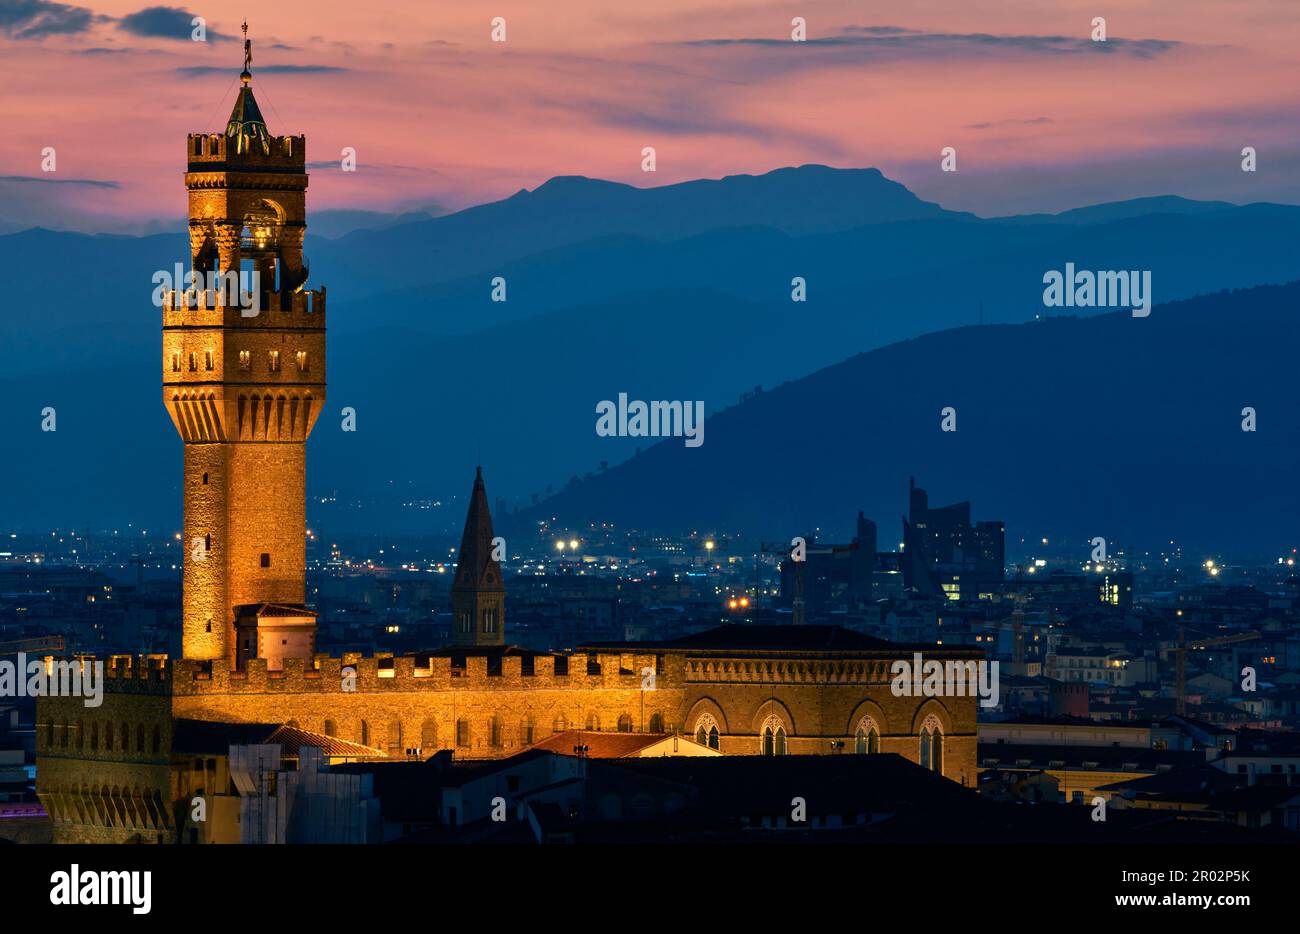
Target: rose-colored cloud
438 112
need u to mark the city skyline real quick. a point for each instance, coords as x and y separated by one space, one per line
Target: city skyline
800 505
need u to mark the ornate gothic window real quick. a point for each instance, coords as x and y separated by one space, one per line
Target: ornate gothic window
932 744
867 740
706 731
773 737
625 723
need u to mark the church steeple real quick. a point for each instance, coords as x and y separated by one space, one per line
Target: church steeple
478 593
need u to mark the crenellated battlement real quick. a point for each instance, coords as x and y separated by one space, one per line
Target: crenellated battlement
190 308
384 673
205 149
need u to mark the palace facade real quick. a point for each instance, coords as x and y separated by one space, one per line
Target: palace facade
244 392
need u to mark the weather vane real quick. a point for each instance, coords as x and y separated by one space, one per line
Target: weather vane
248 48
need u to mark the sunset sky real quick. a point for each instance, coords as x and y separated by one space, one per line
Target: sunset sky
1042 117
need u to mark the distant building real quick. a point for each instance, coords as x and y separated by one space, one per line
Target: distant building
943 553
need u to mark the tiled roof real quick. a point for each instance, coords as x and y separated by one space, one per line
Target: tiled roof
292 739
601 745
742 637
273 609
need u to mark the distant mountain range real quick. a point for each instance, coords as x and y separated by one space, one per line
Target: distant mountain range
1139 435
678 292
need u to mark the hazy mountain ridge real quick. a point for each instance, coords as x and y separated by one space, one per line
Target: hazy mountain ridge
661 309
1143 438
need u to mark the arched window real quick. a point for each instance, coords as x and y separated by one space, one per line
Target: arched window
932 744
706 731
527 729
462 733
867 739
139 737
94 736
108 736
593 722
429 735
559 724
656 723
331 728
773 737
157 738
625 723
365 733
494 732
125 734
395 738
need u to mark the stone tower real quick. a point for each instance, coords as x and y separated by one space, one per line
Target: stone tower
478 596
244 380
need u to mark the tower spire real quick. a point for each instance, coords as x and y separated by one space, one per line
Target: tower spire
478 593
247 126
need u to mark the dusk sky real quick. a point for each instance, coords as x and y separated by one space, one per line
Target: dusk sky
1042 117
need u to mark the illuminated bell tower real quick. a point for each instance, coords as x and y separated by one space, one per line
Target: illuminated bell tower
244 380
